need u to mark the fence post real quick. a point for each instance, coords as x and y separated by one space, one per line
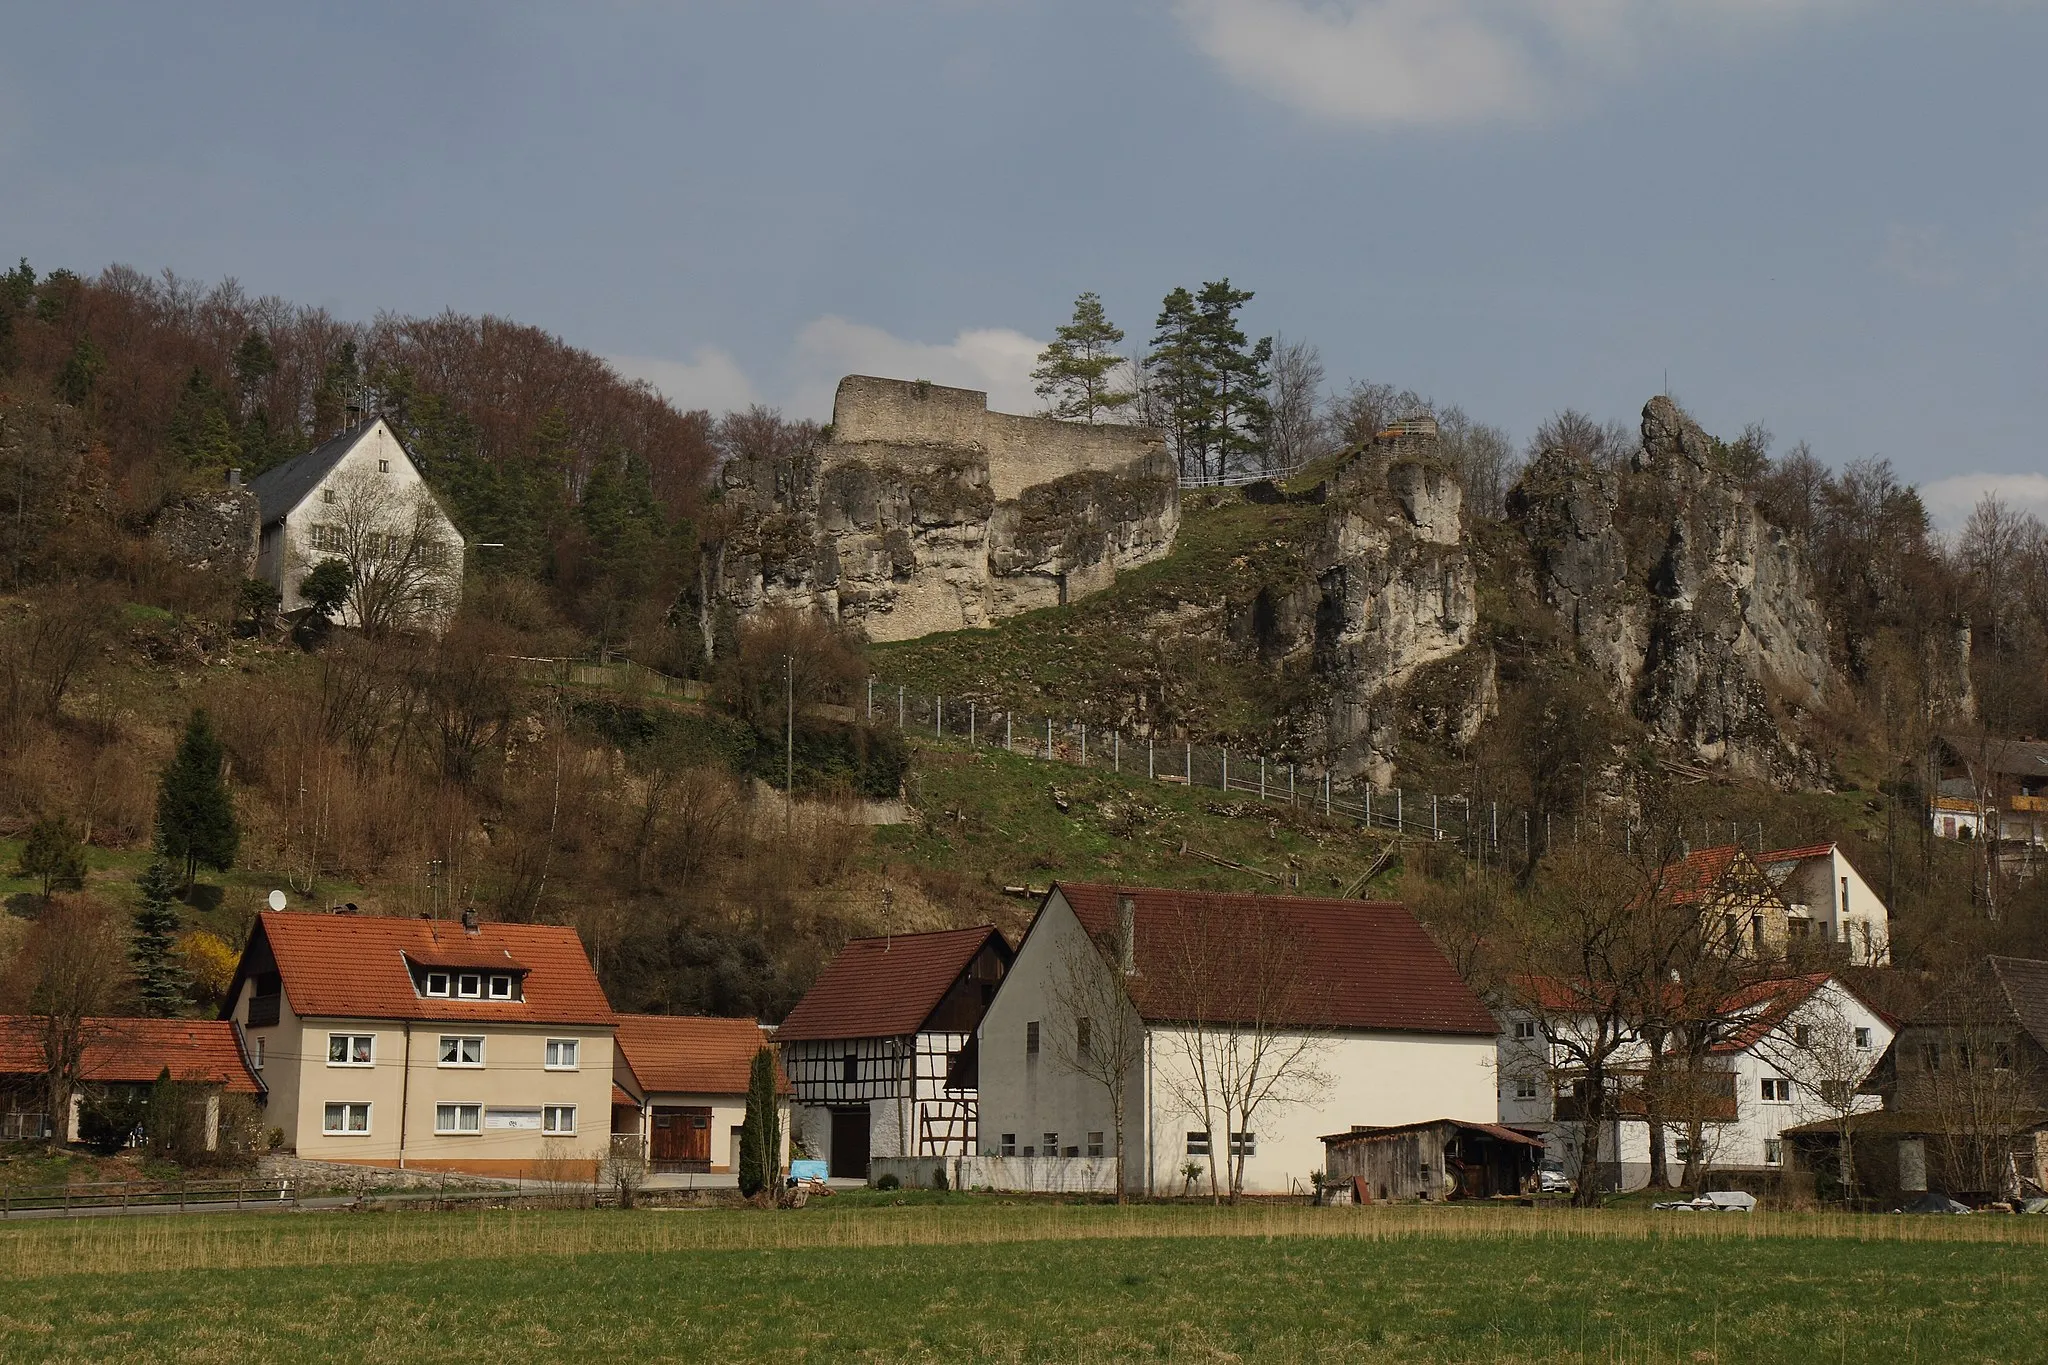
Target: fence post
1151 772
938 717
970 725
1048 739
1007 745
1399 822
1368 803
1191 763
1262 777
1226 767
1116 751
1084 744
899 706
871 697
1326 798
1290 784
1435 829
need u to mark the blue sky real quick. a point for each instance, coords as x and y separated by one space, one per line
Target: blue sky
1830 216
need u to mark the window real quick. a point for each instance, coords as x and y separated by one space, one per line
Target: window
1774 1152
1525 1030
1802 1035
351 1049
1009 1144
501 988
437 983
1084 1029
1777 1090
469 986
1244 1144
1095 1144
1862 1039
348 1117
558 1118
1198 1144
1682 1147
1031 1039
849 1069
1051 1145
462 1051
327 495
256 1055
1799 928
562 1054
458 1118
383 466
1525 1088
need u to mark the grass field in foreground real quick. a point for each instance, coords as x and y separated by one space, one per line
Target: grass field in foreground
990 1282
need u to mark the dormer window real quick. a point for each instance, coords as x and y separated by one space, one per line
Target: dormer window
383 466
469 986
438 984
327 495
501 988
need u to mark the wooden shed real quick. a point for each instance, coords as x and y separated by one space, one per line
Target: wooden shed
1436 1159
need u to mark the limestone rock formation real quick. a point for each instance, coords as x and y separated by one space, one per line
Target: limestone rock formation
214 531
927 512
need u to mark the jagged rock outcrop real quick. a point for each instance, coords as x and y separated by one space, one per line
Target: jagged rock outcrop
927 512
1697 613
216 531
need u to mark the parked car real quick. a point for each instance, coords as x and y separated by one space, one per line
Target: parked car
1551 1179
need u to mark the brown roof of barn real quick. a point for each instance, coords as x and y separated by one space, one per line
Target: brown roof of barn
1363 964
354 967
137 1051
682 1054
883 987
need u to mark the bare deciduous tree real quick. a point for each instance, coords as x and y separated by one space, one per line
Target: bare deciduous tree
69 974
404 559
1099 1035
1296 433
1816 1049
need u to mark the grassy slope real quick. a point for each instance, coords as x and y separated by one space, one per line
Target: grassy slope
925 1284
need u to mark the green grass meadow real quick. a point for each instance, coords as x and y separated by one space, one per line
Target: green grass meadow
981 1280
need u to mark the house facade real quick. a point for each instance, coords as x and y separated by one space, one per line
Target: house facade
1799 1049
359 498
880 1052
427 1044
1828 902
681 1090
122 1057
1154 989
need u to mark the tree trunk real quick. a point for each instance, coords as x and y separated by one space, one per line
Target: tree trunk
1653 1113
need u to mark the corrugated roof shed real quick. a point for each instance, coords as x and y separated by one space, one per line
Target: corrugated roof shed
883 987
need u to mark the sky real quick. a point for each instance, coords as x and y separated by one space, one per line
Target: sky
1828 216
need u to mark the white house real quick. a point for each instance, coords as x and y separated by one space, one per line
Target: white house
1337 1012
1829 901
359 498
879 1052
1806 1044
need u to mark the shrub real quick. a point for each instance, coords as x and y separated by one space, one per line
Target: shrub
889 1182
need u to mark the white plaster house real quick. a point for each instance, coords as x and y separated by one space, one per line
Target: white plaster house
360 498
1806 1038
1828 901
879 1052
1379 1025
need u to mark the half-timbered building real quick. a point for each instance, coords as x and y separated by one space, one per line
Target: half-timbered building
880 1052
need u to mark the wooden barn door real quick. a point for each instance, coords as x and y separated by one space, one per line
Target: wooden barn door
849 1144
682 1139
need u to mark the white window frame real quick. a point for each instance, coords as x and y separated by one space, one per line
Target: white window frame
1244 1144
469 986
1008 1145
1525 1087
475 1109
349 1047
256 1054
1774 1151
1861 1037
459 1039
346 1107
1198 1144
1525 1030
1777 1090
447 985
549 1051
383 466
1094 1143
550 1120
499 987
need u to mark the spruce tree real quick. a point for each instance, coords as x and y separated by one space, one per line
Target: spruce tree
154 946
52 853
761 1130
195 820
1073 373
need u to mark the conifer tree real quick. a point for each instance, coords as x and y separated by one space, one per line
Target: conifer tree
153 947
761 1130
1074 373
1211 380
52 853
195 819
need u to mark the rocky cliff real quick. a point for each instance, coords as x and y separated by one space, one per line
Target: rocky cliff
925 512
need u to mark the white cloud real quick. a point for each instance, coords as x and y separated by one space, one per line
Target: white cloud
710 378
1391 63
1949 500
997 360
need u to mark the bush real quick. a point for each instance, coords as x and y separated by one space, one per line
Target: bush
889 1182
107 1121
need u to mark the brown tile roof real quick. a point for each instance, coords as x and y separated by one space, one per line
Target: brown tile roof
1794 855
1364 964
678 1054
354 967
138 1051
2024 982
1492 1130
883 987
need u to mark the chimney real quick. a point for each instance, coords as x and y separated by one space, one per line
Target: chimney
234 478
469 919
1127 934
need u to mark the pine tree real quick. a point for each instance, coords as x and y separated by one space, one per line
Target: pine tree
761 1130
1074 372
53 854
195 820
202 429
154 946
1211 380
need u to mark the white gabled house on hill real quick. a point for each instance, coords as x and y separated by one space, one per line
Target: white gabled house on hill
359 498
1829 902
1321 1012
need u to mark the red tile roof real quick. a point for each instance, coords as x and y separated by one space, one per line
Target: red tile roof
1364 964
883 987
354 967
1697 873
1773 1003
138 1051
677 1054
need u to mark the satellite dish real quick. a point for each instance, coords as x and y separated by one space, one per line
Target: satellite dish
277 900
